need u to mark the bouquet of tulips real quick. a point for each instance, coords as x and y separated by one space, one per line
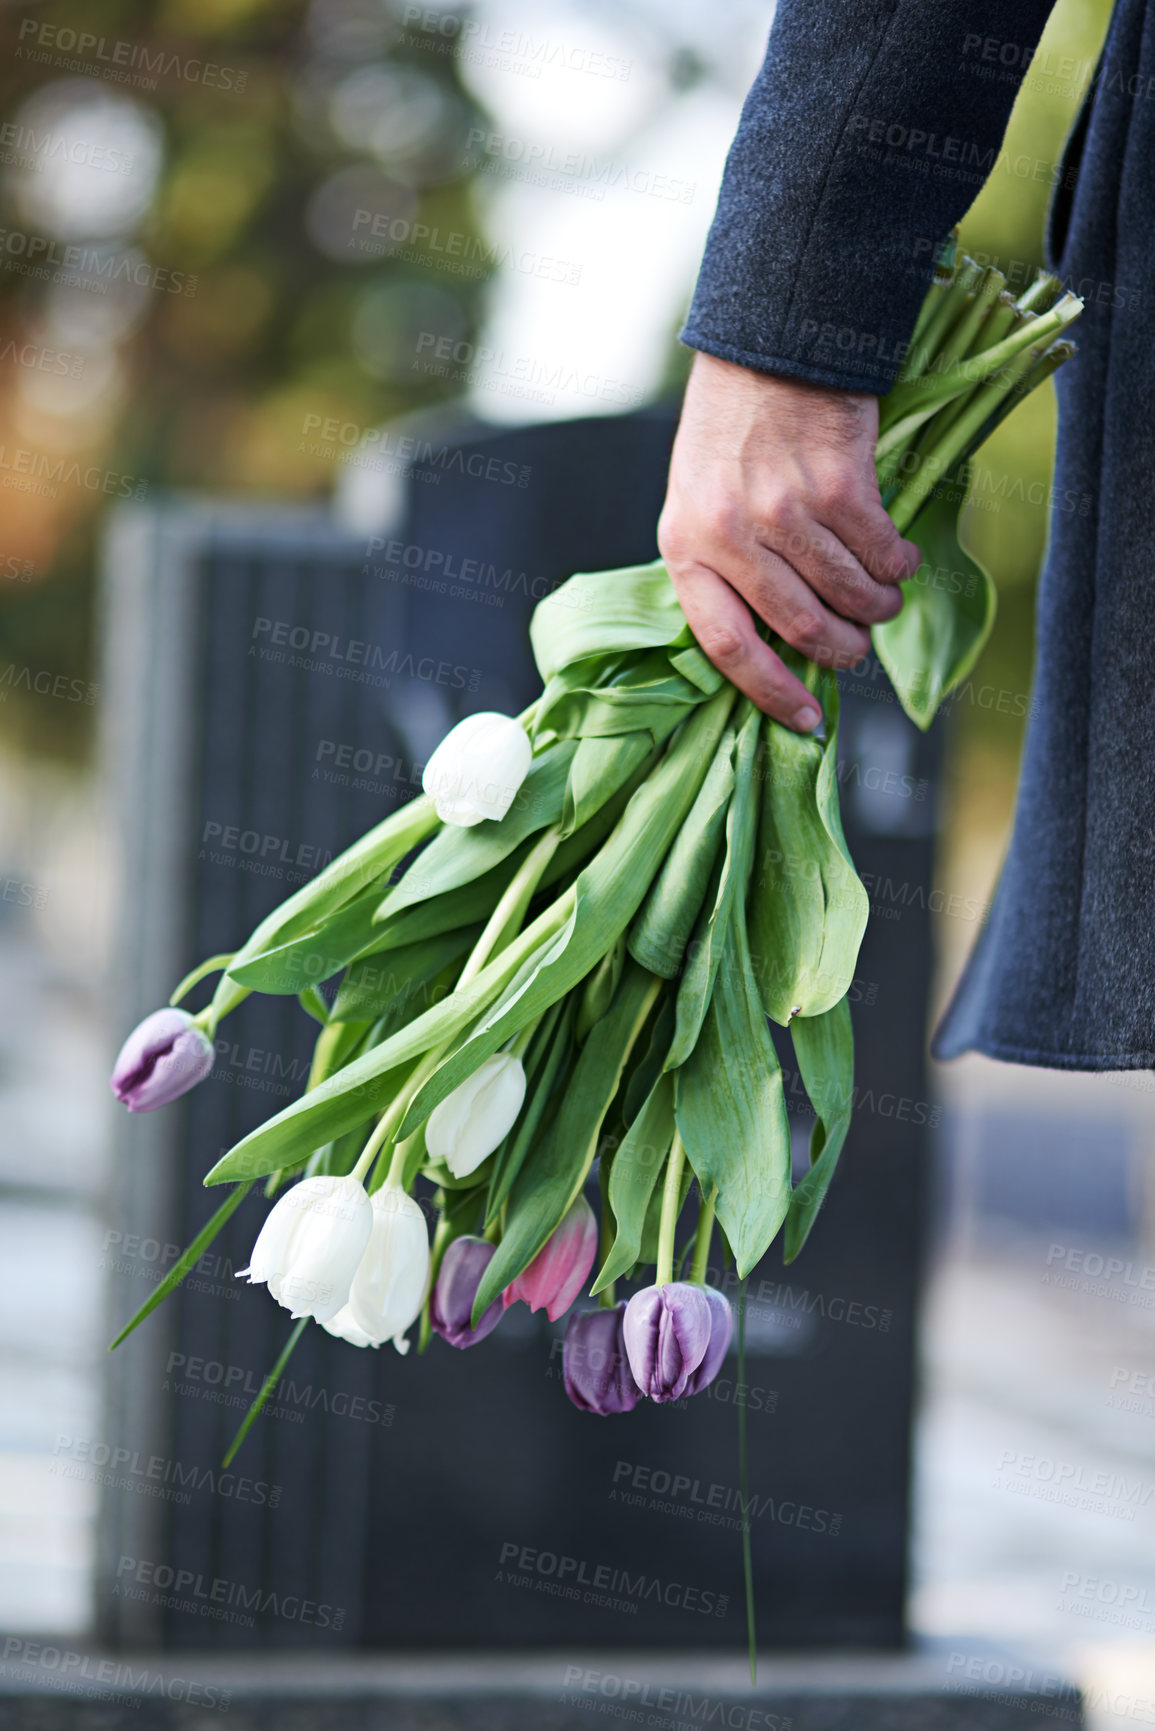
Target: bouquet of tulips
562 960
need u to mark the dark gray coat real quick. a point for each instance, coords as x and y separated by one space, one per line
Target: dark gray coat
866 135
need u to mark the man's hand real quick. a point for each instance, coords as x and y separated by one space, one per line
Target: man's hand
773 501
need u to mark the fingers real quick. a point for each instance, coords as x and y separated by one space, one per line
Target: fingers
789 604
864 528
724 627
827 567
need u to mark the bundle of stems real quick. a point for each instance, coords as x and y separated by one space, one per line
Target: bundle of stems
975 353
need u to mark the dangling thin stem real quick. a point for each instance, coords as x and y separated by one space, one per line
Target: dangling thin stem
671 1196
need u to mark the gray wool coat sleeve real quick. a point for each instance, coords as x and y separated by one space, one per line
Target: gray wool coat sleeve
867 134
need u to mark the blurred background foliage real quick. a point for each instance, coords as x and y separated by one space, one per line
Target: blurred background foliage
219 152
249 133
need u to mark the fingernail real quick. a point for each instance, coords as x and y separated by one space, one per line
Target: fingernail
805 720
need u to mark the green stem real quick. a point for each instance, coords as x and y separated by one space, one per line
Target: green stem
390 1120
916 395
607 1297
520 1043
744 1489
442 1238
499 928
962 338
671 1196
946 451
702 1241
505 920
948 310
212 966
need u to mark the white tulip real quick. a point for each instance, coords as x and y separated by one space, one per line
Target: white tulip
477 769
389 1286
309 1248
477 1117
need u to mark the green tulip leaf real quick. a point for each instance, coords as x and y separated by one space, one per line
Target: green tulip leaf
644 693
598 769
368 862
634 1173
948 610
395 984
807 906
824 1048
604 613
545 1062
661 931
731 1109
314 955
712 931
459 856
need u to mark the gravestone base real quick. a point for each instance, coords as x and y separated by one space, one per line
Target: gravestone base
567 1691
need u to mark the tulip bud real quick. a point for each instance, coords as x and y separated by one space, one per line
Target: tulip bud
721 1328
562 1265
477 1117
666 1331
389 1285
309 1248
462 1266
595 1369
477 769
163 1058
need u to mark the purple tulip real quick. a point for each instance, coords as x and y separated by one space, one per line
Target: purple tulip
458 1279
721 1328
667 1330
163 1058
595 1370
561 1267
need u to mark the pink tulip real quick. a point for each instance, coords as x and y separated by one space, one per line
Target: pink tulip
561 1267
